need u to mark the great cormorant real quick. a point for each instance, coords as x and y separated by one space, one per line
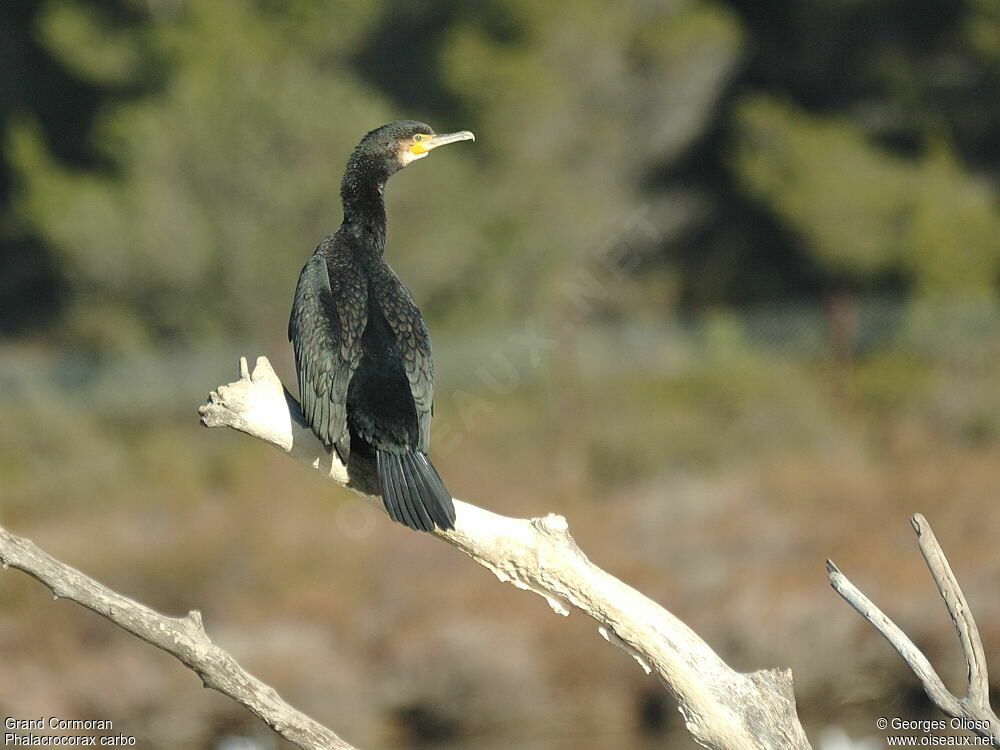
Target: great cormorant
362 350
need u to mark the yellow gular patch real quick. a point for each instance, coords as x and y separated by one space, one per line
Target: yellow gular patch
417 148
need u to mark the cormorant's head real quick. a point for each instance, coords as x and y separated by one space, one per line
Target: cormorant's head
399 143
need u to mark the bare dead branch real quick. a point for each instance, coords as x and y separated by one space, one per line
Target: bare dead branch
914 657
723 709
978 691
975 706
182 637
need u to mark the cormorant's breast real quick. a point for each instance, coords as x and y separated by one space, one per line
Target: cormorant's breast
380 405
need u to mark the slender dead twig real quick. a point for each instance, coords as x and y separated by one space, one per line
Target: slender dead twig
974 708
978 690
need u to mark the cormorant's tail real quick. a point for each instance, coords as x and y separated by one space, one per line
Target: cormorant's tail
413 492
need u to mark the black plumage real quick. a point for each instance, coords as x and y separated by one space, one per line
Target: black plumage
362 350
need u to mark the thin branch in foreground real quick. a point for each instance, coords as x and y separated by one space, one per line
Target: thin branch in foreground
723 709
183 638
974 707
978 690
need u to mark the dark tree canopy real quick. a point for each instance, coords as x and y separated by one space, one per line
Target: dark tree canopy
752 133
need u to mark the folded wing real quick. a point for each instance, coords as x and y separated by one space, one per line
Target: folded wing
328 318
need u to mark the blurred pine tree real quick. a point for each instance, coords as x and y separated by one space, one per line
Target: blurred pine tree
863 211
220 181
866 155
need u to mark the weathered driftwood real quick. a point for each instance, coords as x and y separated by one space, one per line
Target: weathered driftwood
974 709
722 708
182 637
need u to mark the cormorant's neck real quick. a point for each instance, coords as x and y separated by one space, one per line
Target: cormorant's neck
364 207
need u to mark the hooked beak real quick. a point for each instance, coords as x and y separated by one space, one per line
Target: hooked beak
441 139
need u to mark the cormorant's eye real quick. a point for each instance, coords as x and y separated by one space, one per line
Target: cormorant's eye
418 137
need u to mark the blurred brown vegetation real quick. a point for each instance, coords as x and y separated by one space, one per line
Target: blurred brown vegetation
756 244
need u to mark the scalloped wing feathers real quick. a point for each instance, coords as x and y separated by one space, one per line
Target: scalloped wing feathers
328 319
414 341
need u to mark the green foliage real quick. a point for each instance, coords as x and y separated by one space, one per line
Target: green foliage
221 182
952 244
225 178
843 195
225 127
574 110
982 30
84 40
860 210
